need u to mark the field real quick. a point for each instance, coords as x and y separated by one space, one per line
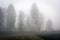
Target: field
21 37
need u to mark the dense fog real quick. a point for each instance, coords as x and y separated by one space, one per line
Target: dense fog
16 19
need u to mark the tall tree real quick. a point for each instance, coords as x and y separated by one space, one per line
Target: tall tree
36 18
41 22
49 25
21 21
4 20
28 24
1 18
11 16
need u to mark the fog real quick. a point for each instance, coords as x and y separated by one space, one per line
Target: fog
30 15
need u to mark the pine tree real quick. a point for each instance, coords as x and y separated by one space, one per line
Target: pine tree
11 16
4 20
28 24
49 25
1 18
41 22
37 18
21 21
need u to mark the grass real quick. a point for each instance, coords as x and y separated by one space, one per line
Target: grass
21 37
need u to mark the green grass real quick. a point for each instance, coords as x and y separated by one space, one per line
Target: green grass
21 37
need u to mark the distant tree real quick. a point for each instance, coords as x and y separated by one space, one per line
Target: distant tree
1 18
11 16
36 18
28 24
21 21
4 19
49 25
41 22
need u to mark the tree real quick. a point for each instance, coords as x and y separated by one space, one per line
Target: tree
4 19
11 16
35 17
1 18
41 22
21 21
49 25
28 24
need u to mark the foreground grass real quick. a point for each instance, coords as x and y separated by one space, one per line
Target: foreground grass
21 37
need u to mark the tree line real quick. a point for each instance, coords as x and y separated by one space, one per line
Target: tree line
34 22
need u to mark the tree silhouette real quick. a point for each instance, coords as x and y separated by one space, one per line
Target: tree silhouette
4 28
28 24
41 22
11 15
37 18
49 25
21 21
1 18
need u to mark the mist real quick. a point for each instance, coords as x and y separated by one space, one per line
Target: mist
29 16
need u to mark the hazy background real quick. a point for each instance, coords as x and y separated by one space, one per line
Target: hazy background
49 8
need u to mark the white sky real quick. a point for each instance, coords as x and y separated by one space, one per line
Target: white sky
43 6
